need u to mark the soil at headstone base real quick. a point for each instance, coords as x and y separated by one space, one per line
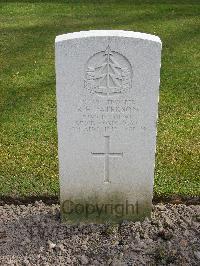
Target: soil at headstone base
33 235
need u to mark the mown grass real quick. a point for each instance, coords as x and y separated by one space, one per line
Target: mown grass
28 154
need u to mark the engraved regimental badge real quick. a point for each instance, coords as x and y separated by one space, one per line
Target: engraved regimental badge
108 73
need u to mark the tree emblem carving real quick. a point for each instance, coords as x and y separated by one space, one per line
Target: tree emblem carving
108 73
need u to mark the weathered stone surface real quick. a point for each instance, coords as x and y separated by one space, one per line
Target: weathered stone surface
107 104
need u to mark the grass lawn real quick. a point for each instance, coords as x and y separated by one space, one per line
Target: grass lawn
28 136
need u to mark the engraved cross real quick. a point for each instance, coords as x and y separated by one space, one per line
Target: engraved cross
107 154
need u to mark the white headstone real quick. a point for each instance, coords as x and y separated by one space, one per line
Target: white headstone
107 106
